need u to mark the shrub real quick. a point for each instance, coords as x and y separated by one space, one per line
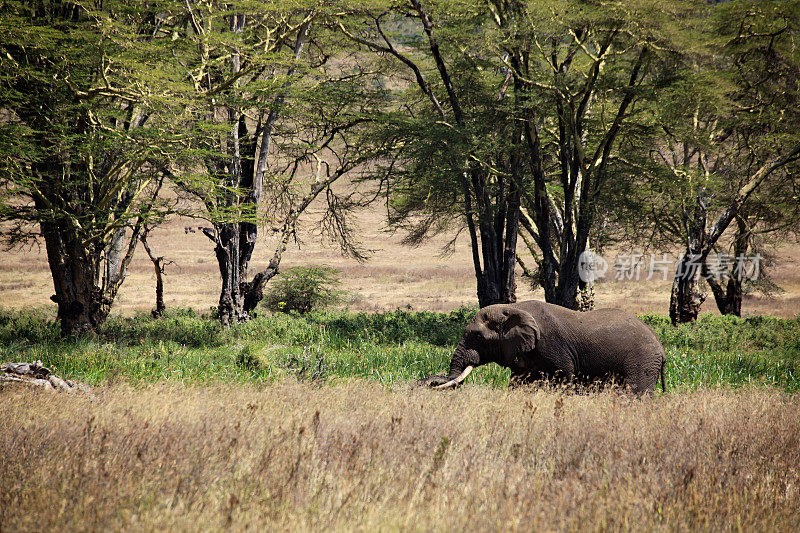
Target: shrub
182 326
247 360
302 289
397 327
27 326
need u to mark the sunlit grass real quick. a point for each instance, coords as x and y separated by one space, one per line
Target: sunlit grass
355 455
389 348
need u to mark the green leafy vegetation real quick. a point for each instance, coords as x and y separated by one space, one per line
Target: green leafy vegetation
390 348
303 289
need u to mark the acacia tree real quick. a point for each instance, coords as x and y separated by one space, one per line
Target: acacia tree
271 123
77 128
513 119
728 131
765 55
771 216
579 72
448 123
159 265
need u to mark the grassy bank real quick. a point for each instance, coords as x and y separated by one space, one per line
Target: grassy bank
389 348
358 456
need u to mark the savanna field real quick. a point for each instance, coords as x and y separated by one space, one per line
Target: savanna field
312 423
243 244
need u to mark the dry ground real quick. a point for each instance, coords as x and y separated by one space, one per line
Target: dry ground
396 276
357 456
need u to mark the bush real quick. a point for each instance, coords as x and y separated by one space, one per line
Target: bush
181 326
302 289
29 326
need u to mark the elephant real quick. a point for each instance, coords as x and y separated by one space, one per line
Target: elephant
542 341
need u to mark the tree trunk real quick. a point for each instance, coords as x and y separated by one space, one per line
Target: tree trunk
82 306
727 286
496 282
568 282
686 297
231 300
727 295
158 265
586 296
496 286
114 262
158 312
254 290
539 227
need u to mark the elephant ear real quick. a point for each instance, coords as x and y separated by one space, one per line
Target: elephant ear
519 333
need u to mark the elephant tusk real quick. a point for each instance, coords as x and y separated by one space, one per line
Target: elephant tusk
454 382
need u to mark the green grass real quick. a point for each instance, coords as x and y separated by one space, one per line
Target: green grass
390 348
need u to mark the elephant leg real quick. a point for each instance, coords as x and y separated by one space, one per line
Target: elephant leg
523 378
641 377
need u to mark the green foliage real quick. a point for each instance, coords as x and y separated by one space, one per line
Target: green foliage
392 348
82 115
83 123
712 334
27 327
303 289
181 326
726 107
246 359
398 327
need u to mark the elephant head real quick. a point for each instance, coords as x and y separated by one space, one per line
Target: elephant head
498 334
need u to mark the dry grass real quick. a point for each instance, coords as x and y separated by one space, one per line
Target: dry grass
395 277
357 456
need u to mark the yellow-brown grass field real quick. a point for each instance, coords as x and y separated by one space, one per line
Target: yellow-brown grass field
395 277
357 456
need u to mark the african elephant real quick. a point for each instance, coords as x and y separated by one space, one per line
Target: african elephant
537 340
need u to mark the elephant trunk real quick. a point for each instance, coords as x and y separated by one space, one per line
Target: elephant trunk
463 361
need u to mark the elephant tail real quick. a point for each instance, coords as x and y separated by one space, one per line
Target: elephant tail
663 368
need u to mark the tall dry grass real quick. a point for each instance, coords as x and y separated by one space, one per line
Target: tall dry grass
358 456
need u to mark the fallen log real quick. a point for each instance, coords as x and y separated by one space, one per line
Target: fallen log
35 374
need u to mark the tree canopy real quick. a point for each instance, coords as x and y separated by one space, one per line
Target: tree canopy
571 124
80 121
